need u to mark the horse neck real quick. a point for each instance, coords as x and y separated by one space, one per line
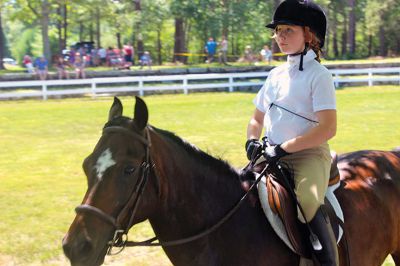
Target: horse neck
196 189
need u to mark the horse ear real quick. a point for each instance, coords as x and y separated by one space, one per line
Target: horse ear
141 115
115 110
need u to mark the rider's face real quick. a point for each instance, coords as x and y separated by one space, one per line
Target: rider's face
290 38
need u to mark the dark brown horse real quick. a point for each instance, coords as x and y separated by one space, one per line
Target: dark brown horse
138 172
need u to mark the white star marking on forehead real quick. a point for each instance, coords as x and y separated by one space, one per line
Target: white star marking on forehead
103 163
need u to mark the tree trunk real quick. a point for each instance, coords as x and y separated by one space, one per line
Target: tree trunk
382 42
91 30
62 26
140 46
138 29
65 13
274 47
179 46
334 37
344 36
351 38
369 45
98 29
225 22
118 35
59 30
80 31
398 46
44 22
2 41
159 46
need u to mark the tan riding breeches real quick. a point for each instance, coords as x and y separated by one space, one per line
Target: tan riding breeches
311 173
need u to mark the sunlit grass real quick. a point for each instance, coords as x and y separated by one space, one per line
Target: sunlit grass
43 144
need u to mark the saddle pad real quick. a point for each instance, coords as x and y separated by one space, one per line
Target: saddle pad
276 221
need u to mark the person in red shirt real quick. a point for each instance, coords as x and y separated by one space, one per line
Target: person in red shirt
28 64
128 52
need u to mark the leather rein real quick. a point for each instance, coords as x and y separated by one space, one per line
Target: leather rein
120 238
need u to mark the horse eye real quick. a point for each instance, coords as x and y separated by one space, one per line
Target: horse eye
129 170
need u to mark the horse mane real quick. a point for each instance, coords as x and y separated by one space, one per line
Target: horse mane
218 164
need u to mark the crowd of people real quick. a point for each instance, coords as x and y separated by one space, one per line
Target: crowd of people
76 60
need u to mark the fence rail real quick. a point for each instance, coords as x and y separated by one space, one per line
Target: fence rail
142 84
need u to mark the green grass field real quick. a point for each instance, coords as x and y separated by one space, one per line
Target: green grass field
43 144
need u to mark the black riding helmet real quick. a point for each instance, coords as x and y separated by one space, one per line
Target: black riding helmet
301 13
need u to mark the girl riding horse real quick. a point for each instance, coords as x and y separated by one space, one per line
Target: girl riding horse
297 106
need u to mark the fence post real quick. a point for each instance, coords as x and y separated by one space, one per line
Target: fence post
141 93
185 83
93 89
230 84
370 82
336 82
44 91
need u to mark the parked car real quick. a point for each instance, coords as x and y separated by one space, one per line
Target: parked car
9 61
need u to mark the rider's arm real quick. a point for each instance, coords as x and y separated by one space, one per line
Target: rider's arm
325 130
255 126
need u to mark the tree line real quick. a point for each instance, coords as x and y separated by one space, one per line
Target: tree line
169 29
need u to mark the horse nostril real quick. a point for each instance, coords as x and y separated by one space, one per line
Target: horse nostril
77 249
85 247
66 247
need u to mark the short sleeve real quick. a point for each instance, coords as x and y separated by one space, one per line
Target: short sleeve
259 101
323 92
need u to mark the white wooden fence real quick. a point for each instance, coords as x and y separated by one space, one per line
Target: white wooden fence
142 84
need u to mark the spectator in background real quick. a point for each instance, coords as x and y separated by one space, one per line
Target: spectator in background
28 64
223 51
128 53
145 60
266 54
79 66
72 54
102 53
210 48
111 56
41 66
61 66
94 57
248 54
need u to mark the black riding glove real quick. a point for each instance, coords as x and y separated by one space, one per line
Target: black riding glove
273 153
253 148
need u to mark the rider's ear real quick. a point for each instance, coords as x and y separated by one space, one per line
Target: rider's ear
141 115
115 110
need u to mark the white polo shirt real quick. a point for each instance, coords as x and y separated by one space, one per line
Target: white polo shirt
302 92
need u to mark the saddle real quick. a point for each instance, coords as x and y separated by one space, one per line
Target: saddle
283 205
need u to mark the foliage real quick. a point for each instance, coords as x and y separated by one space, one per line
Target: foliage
242 21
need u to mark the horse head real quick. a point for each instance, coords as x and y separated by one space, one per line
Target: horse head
117 171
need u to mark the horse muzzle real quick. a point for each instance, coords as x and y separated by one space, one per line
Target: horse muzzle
81 251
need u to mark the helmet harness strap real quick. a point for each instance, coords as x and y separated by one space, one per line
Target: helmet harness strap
307 37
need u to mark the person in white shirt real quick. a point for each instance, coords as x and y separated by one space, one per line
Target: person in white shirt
297 107
266 54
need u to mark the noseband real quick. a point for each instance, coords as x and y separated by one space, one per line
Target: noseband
120 238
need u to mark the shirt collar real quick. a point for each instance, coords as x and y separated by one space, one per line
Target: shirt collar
295 60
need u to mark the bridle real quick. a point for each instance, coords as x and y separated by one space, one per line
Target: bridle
120 238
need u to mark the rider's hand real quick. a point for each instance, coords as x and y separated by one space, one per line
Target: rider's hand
253 148
273 153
